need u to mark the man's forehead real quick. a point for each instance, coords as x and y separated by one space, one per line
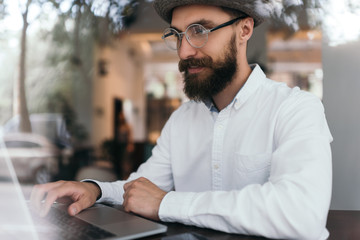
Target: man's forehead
204 22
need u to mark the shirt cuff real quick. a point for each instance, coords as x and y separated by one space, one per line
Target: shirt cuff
175 207
110 192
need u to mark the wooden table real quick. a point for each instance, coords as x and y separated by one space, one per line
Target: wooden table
342 225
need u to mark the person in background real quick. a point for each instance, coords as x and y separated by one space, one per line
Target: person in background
246 155
124 147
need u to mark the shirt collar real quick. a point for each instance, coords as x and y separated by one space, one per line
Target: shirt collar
255 79
210 105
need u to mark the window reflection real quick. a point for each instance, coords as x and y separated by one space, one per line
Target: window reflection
78 76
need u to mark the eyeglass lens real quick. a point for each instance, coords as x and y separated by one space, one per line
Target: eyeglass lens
195 34
171 38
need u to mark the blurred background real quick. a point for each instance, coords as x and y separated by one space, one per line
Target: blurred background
87 85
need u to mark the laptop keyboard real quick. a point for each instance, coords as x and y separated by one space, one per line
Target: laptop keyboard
60 225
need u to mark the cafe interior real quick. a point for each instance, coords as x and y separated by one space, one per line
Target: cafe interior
130 77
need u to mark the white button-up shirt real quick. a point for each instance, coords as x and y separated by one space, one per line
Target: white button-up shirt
261 166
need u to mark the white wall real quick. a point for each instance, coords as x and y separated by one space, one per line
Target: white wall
341 67
125 80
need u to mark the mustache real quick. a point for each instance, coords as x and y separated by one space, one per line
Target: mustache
199 62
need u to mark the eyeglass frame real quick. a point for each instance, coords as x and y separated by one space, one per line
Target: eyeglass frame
228 23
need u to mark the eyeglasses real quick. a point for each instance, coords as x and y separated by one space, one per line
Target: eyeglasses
195 34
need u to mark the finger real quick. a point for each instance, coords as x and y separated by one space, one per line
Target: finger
139 182
36 196
129 191
67 189
125 197
127 185
39 192
48 202
81 204
64 200
125 203
142 179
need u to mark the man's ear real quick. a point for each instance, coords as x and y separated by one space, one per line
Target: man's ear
246 29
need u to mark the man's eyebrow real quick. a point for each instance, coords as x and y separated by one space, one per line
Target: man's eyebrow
204 22
175 28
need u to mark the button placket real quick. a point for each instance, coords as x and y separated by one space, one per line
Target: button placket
217 150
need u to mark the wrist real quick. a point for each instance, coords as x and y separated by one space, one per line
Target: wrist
95 188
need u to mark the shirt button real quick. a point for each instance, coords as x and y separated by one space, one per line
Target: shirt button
221 126
216 166
237 105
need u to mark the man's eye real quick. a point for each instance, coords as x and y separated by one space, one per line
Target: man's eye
199 30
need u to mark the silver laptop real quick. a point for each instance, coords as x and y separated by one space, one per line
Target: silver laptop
17 221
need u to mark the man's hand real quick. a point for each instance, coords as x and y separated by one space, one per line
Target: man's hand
143 197
81 194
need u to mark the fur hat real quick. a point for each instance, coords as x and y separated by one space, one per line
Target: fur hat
165 7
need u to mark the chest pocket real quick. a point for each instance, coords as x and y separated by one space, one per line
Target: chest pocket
251 169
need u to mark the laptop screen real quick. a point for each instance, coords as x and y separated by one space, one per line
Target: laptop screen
15 220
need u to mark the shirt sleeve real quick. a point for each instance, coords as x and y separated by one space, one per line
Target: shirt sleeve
157 169
292 204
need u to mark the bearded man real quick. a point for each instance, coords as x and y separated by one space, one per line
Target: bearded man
246 155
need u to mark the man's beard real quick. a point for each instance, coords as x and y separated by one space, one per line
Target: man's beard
202 87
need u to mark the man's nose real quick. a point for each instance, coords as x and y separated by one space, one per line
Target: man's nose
185 50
